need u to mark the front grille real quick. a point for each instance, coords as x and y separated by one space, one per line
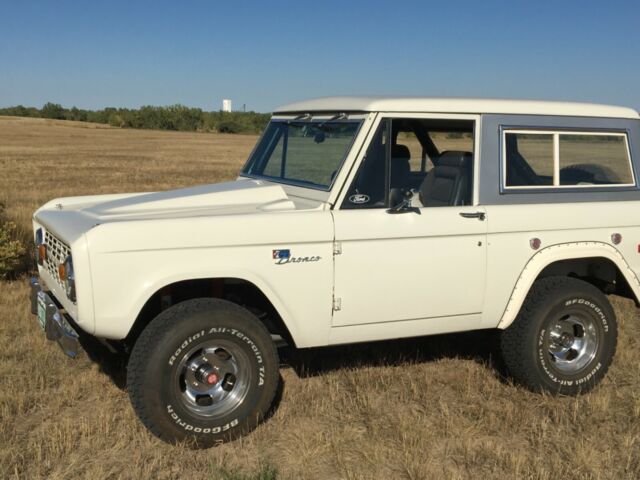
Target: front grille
57 252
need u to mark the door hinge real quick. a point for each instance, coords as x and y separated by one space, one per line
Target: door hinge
337 248
337 304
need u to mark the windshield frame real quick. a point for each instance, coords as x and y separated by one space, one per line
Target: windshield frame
323 117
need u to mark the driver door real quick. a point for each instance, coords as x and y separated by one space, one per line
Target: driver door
423 267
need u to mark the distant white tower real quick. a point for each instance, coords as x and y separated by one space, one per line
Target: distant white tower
226 105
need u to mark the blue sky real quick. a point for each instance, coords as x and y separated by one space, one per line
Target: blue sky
265 53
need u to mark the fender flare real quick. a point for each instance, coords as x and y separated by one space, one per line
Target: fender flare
554 253
277 302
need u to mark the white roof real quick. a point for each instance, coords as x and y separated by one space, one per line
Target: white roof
456 105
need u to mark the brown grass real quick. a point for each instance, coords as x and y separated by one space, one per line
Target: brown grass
428 408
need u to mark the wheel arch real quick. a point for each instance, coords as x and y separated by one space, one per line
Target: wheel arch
595 262
248 293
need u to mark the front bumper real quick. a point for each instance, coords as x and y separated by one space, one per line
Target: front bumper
53 320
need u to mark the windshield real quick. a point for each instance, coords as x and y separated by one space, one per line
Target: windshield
309 153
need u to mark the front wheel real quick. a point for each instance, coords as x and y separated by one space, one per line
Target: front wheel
563 339
204 370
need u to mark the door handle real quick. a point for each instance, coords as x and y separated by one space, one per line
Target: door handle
478 215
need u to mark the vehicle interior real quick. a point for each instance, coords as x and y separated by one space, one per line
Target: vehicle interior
429 160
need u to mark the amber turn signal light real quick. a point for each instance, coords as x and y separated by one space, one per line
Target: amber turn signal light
42 253
62 272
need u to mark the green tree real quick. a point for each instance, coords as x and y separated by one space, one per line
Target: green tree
172 117
52 110
76 114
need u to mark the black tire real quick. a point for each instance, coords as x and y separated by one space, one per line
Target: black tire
563 339
587 173
204 370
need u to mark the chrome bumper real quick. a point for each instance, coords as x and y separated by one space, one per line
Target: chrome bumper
52 320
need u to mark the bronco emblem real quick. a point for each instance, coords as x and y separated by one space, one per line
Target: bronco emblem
284 256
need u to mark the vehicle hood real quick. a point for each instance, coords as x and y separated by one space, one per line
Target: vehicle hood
230 197
71 216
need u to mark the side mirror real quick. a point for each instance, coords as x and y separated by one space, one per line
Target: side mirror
401 201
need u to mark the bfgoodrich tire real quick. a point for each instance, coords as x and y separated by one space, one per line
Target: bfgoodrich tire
204 370
563 339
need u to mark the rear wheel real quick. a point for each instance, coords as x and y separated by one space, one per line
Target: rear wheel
563 339
204 370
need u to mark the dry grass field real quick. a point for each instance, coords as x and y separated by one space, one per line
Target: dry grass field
426 408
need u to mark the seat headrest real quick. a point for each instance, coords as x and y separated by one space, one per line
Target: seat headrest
400 152
451 158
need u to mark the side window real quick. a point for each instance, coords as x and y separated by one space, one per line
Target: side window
415 152
429 162
594 160
565 159
529 159
368 188
459 141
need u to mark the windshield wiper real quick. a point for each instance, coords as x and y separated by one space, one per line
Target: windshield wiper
304 116
339 116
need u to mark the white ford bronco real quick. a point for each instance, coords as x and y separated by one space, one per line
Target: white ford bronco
356 219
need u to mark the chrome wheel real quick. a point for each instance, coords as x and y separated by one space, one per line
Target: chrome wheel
213 379
572 343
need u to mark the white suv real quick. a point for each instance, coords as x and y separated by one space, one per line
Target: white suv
356 219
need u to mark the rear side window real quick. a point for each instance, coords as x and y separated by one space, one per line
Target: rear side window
594 159
543 159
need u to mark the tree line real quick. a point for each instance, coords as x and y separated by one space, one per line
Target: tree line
172 117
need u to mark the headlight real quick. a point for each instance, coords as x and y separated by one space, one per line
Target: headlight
65 272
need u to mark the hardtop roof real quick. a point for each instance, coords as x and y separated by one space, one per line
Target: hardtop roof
456 105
